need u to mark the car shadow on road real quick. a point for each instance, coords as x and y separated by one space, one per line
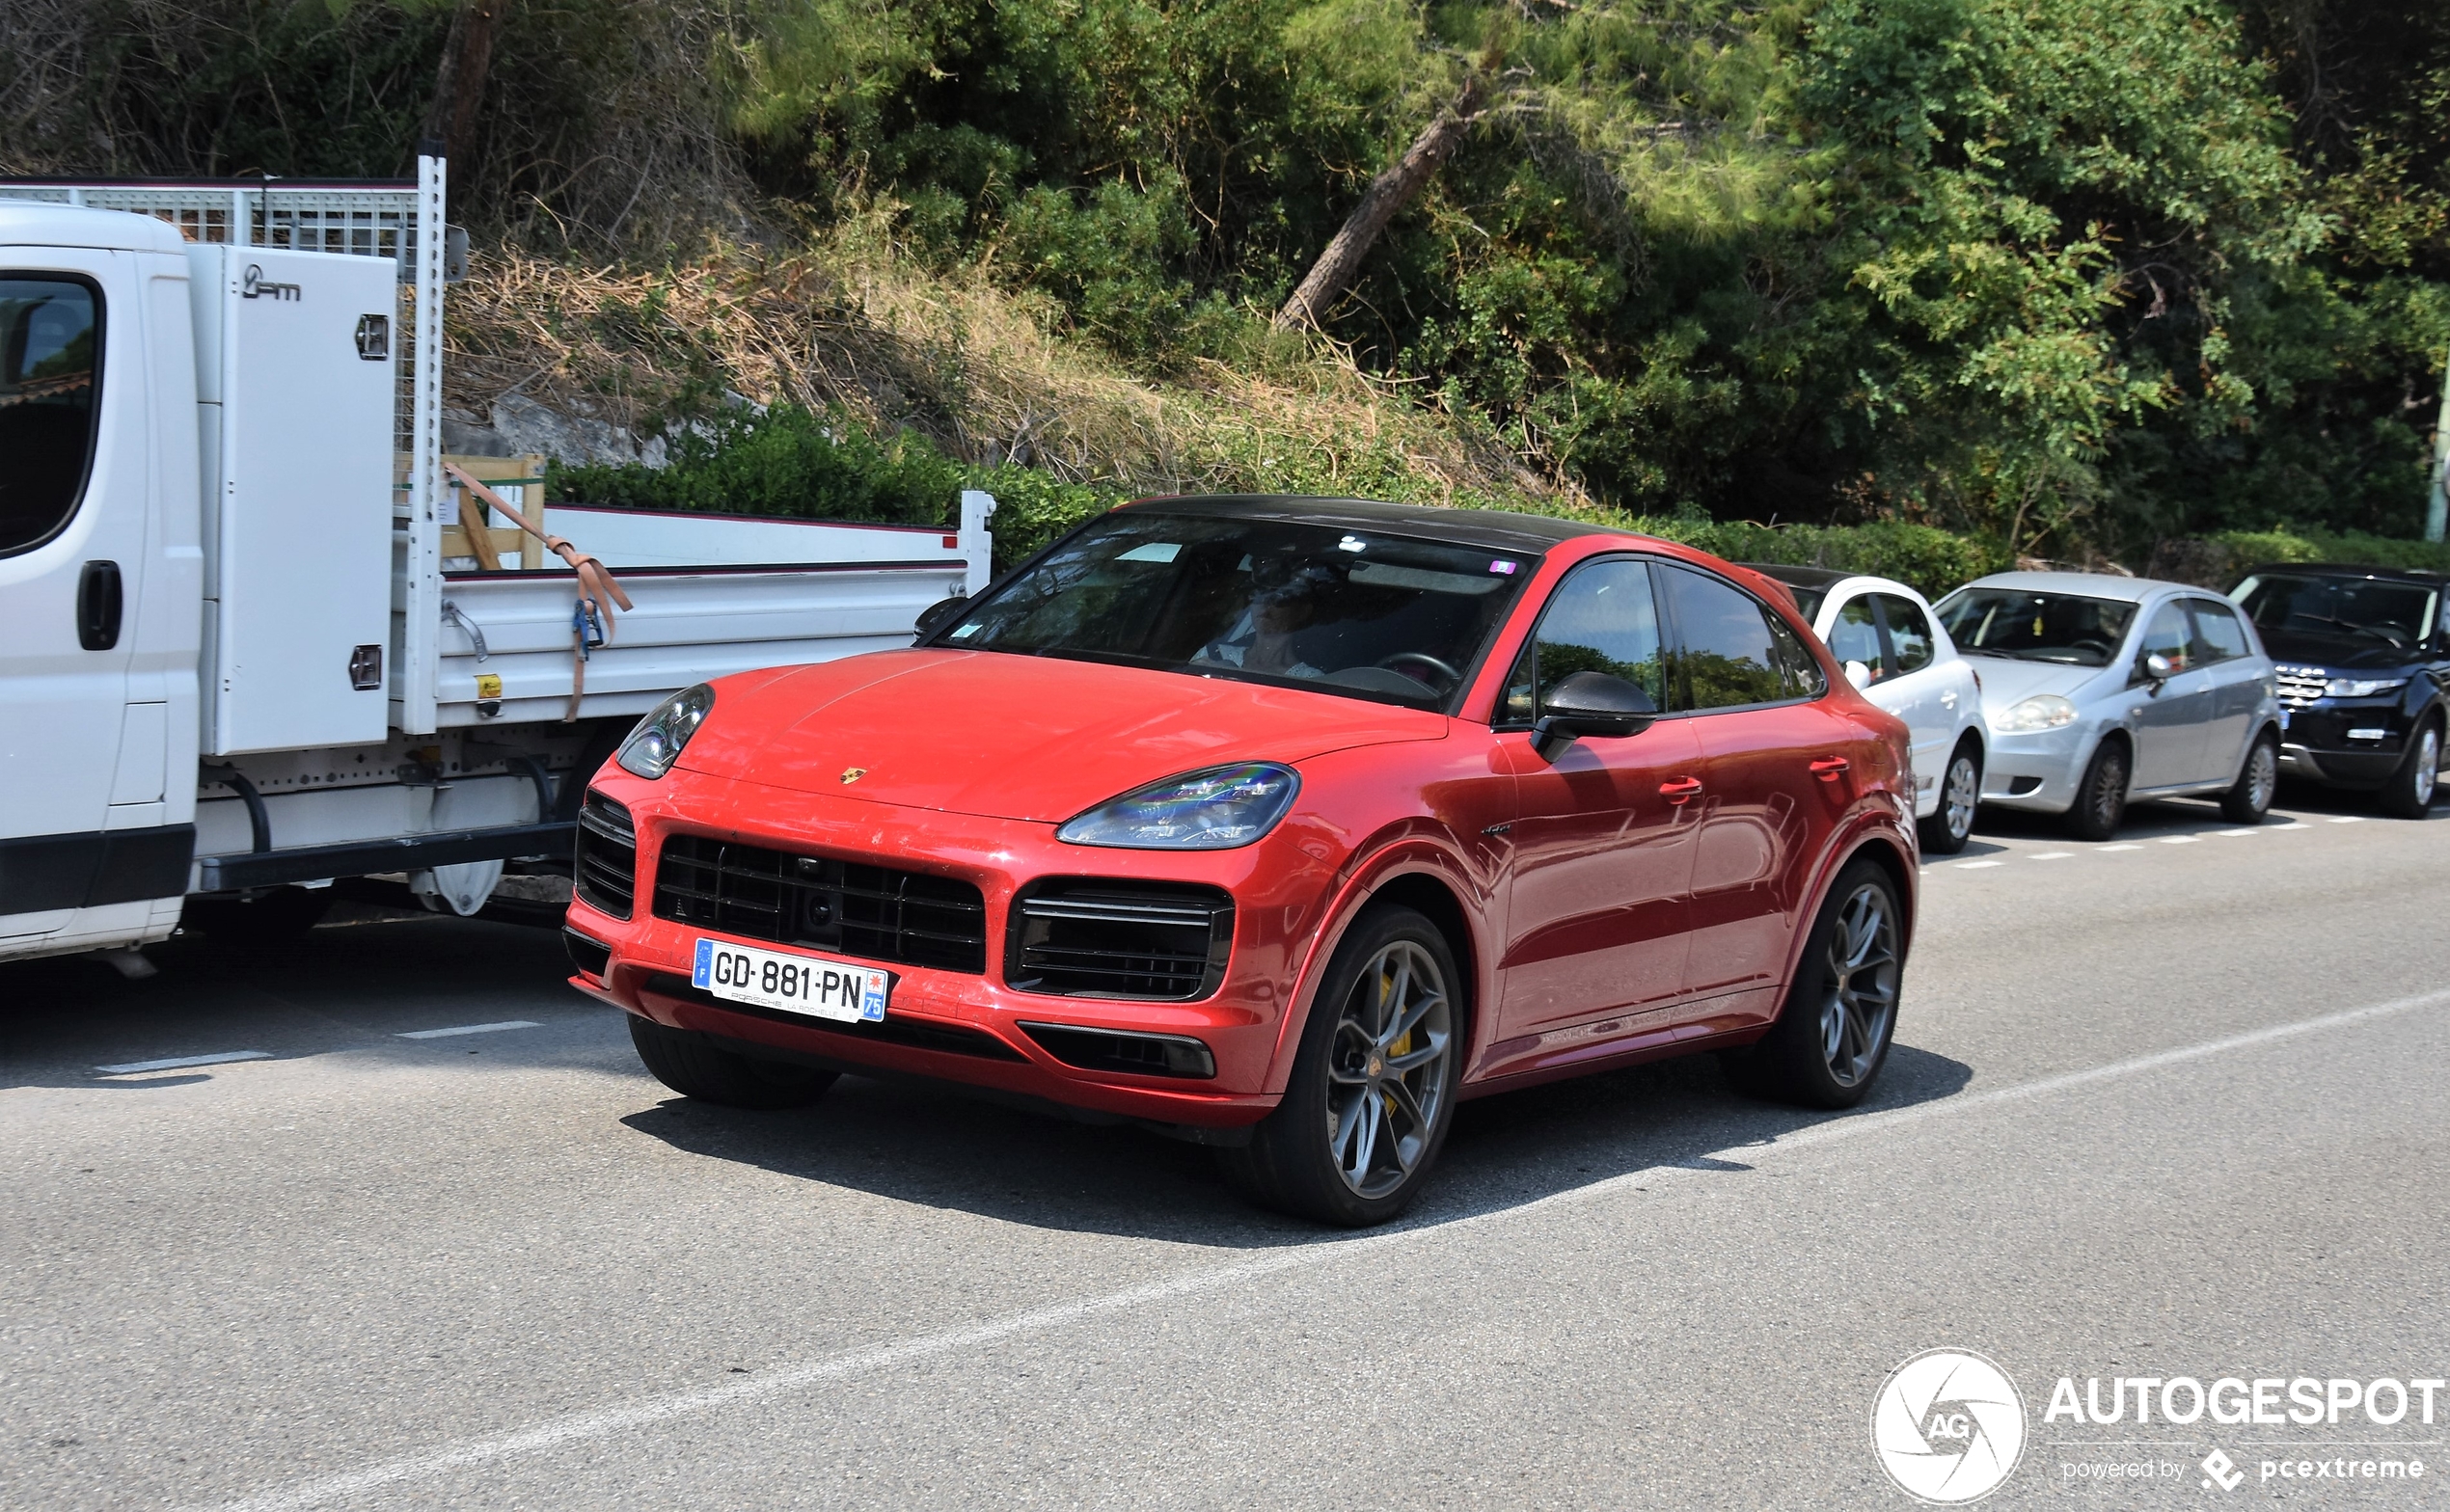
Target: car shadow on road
940 1148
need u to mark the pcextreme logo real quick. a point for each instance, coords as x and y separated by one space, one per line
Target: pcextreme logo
1947 1426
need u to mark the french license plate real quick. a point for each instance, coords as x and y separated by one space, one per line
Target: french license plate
795 984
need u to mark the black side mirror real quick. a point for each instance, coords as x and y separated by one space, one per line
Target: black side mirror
1590 703
936 616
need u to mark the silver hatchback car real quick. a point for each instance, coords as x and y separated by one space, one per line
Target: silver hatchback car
2097 689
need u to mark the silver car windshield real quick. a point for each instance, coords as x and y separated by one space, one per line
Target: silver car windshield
1392 619
2036 627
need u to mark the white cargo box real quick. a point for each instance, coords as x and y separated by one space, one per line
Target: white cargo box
295 359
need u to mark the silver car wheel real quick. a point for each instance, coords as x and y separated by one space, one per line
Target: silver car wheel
1387 1070
2427 765
2262 775
1860 992
1963 796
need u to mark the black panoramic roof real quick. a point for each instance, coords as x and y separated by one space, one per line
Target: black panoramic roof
2415 575
1492 529
1799 577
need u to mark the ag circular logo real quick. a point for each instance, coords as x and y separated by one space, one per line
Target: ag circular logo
1947 1426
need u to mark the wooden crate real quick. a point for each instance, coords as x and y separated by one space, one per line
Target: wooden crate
519 481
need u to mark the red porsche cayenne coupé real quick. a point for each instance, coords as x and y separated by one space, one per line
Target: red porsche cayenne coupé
1278 824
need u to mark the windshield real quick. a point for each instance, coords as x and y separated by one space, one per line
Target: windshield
2036 627
2387 614
1365 615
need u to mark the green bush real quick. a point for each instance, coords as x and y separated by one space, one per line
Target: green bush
2249 546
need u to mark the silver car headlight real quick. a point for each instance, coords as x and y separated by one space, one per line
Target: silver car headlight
2041 711
2361 687
656 743
1218 809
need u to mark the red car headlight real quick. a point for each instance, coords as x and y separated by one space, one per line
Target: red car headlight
1218 809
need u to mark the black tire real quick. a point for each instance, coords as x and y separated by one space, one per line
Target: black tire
271 919
2250 798
1319 1155
2409 794
1951 825
2100 797
1833 1035
688 1065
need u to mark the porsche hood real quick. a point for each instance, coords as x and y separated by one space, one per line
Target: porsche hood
1014 737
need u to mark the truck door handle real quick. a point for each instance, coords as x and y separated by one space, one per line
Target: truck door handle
1679 789
97 606
1829 768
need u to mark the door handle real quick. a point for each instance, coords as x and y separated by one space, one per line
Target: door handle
97 606
1948 700
1829 768
1679 789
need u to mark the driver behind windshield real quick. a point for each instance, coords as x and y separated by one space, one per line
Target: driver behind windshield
1356 613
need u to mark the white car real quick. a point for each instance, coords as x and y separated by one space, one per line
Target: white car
1893 649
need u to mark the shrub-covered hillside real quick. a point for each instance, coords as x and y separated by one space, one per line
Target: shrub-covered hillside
2064 274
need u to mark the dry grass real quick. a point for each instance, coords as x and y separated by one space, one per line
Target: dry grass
990 375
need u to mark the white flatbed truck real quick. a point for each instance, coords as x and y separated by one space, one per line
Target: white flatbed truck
235 664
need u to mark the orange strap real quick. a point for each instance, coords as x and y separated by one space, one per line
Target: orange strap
597 588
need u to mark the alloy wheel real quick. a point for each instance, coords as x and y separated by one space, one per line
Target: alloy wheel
1386 1069
2427 765
1860 993
1962 796
2262 776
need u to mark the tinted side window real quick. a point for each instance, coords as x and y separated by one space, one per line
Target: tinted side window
50 375
1724 653
2219 634
1909 633
1854 635
1601 619
1798 670
2170 635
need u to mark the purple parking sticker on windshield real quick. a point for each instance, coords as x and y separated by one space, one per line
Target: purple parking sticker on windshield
1506 567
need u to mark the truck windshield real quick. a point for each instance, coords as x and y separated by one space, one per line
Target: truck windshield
1388 618
2391 613
2036 627
47 368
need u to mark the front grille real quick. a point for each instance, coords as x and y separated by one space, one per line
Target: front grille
603 856
1101 938
896 1029
2301 685
874 913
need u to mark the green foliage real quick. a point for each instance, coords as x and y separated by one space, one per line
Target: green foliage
2249 546
2065 275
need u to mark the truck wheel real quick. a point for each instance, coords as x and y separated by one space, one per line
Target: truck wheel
2410 791
2251 799
1373 1087
1951 825
688 1065
269 919
1832 1037
2100 797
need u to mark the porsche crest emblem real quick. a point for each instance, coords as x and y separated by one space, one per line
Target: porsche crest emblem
854 773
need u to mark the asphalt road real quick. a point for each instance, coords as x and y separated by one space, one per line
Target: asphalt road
2170 1108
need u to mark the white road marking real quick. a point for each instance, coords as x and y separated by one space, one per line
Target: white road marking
469 1029
2229 834
2052 856
2348 819
603 1422
1975 866
176 1061
2179 840
2105 849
